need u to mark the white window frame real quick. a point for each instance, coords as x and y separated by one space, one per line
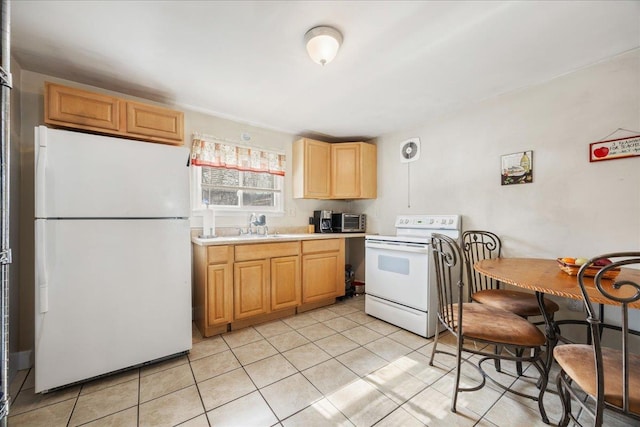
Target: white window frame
198 208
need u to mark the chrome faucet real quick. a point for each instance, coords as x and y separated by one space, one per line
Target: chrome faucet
258 220
253 219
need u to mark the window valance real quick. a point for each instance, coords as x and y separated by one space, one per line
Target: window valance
208 152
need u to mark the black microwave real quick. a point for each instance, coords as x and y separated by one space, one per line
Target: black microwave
348 223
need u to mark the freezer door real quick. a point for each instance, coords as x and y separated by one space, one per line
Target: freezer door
110 294
80 175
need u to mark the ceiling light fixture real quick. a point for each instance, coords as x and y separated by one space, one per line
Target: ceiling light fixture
323 44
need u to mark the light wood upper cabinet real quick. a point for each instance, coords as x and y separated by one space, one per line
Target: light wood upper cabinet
311 169
323 170
154 122
354 171
85 110
80 109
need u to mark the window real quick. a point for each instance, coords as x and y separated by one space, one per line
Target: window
234 178
232 189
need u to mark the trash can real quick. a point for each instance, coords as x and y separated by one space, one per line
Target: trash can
348 281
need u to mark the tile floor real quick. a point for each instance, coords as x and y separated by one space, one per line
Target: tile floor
331 366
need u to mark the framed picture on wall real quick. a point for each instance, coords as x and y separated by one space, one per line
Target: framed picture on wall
614 149
516 168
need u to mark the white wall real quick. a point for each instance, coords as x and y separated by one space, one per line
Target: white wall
572 208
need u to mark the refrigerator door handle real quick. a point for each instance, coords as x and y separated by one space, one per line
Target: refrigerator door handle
41 262
41 164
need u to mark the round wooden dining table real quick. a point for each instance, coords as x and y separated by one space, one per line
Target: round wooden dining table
544 276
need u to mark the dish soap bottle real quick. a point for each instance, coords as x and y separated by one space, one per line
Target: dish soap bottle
525 162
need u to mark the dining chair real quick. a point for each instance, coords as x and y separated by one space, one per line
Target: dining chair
607 374
478 326
478 245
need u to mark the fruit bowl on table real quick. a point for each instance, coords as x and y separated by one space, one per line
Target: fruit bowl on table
591 271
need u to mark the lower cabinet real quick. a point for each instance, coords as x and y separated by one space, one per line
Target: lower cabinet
213 288
219 294
250 289
266 278
322 269
239 285
285 282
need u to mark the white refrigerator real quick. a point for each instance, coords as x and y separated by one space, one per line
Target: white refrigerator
112 255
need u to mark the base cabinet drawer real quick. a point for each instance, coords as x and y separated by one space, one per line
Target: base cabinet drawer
322 245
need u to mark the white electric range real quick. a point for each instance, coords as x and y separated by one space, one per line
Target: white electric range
400 287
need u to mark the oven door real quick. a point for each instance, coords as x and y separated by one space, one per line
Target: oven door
398 272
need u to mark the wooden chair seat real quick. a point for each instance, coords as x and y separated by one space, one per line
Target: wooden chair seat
521 303
578 362
487 323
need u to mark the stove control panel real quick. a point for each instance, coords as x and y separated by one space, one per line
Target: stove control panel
436 222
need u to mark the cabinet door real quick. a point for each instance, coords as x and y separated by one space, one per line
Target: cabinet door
311 169
368 171
155 123
251 288
319 276
81 109
285 282
345 171
219 294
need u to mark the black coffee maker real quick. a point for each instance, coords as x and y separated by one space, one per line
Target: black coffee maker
322 221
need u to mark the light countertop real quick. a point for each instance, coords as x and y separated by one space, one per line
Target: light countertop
246 239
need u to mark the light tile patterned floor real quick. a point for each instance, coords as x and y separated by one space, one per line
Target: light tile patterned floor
331 366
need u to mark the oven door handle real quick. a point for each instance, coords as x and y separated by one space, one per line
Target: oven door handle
399 247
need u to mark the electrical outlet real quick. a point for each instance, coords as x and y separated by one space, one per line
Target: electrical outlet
575 305
291 211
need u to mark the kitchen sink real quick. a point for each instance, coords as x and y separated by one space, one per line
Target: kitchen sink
243 237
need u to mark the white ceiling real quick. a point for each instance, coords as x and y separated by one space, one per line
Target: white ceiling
402 63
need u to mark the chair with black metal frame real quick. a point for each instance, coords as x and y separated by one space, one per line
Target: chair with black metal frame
606 374
478 245
481 324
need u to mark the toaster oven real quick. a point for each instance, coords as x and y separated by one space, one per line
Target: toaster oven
348 223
